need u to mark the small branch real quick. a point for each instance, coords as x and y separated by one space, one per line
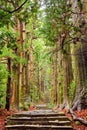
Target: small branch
19 6
13 10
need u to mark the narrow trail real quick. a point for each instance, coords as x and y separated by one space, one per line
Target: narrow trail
40 119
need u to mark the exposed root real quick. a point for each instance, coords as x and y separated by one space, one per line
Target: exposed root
75 118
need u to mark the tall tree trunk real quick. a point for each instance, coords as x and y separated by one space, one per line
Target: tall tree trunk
38 84
67 75
8 91
19 52
60 80
29 72
54 78
17 69
81 57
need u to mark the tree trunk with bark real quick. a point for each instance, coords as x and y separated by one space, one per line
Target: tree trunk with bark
67 74
8 91
54 79
80 101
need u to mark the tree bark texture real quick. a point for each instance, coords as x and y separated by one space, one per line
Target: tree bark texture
8 91
80 55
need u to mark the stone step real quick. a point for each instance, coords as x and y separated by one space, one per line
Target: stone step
51 118
41 119
58 123
37 127
41 106
37 114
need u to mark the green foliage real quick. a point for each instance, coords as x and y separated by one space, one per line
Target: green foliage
50 105
56 20
7 52
5 18
7 37
3 83
34 97
33 94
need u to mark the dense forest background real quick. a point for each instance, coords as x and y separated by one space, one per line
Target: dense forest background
43 53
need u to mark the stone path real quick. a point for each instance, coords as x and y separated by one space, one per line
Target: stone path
40 119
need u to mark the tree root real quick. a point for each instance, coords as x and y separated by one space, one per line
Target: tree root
75 118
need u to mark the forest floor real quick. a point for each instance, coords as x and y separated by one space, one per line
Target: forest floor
3 115
76 125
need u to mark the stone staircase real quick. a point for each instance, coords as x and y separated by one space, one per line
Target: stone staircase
40 119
